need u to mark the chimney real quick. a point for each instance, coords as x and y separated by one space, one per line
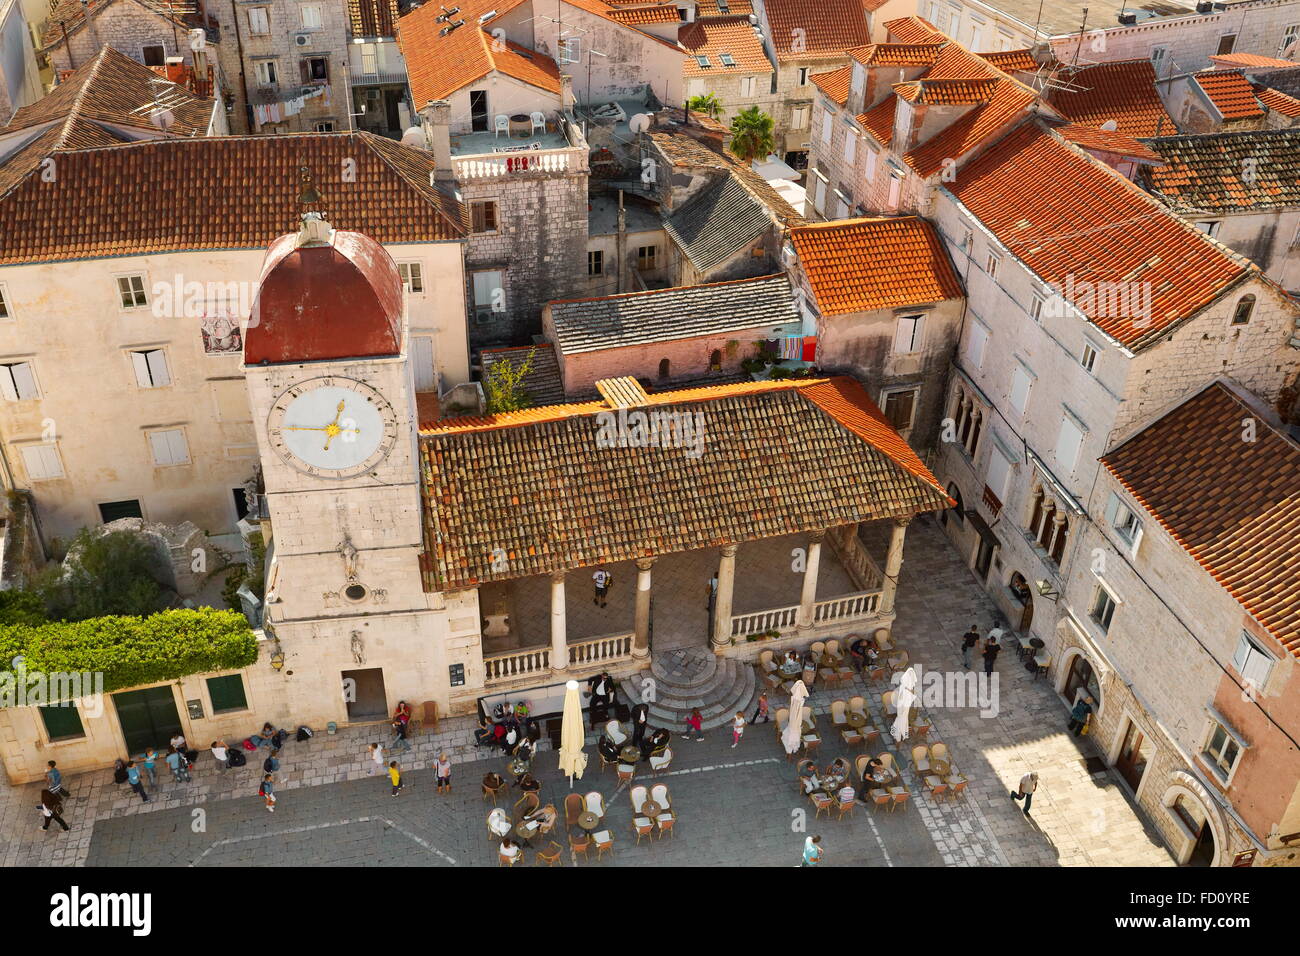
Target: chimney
566 93
436 120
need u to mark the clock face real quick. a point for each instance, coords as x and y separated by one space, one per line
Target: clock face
332 427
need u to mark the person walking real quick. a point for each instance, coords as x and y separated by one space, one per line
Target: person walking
1079 715
991 648
968 642
812 851
1028 784
133 778
149 762
55 780
395 776
221 753
376 758
760 710
640 717
267 792
180 767
272 763
442 770
51 808
694 725
602 579
737 729
399 740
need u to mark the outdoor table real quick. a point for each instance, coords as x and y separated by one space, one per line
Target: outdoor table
588 820
630 754
525 831
941 768
858 721
521 124
651 809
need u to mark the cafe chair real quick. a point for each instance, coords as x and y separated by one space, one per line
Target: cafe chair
503 859
876 672
551 855
956 785
638 795
782 715
604 841
846 806
899 661
661 762
659 794
526 804
615 733
643 826
858 705
625 773
539 122
839 715
596 803
501 125
889 706
821 801
936 786
832 655
492 791
860 766
498 824
605 761
768 671
811 744
939 751
545 828
884 643
881 798
665 823
887 763
921 759
1042 661
573 808
580 843
899 795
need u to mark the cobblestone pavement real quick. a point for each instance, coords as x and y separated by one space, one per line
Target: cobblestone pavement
735 806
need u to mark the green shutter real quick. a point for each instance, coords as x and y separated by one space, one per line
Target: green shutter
62 723
227 693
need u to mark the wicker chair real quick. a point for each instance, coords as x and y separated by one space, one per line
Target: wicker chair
604 841
580 843
574 806
595 803
822 802
551 855
661 762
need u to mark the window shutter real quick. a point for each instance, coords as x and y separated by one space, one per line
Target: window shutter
158 368
1112 509
871 162
1067 444
999 474
42 461
142 376
161 450
850 148
179 450
304 70
8 387
1019 388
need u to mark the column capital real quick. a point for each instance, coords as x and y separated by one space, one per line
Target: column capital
557 577
645 564
903 522
729 550
817 535
1058 517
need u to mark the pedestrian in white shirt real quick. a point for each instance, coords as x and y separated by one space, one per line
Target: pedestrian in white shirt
377 758
737 728
603 579
221 751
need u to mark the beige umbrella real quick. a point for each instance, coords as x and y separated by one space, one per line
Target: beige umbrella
572 735
792 737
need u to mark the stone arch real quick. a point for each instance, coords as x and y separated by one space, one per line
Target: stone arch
1184 784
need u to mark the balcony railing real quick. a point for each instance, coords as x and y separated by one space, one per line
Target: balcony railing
596 652
377 79
599 651
846 607
487 166
515 664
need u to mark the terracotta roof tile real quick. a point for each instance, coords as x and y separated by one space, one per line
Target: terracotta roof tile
713 8
71 15
1083 220
815 29
834 84
1123 91
1013 61
372 18
896 54
1233 505
879 120
600 8
1248 60
1204 173
860 265
913 30
948 92
1276 100
543 384
1109 141
776 458
237 192
660 13
1230 92
712 38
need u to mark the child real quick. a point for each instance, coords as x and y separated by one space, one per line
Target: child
737 729
395 776
376 758
693 725
760 712
267 790
442 768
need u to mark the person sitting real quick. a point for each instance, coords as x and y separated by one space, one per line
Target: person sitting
873 777
521 712
527 783
607 749
403 712
656 744
263 736
524 752
792 664
808 775
508 849
858 654
545 817
486 735
846 793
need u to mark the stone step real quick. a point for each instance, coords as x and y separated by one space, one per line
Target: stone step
677 695
685 667
732 687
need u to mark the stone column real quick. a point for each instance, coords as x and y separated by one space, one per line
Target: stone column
893 564
722 605
809 596
559 627
641 639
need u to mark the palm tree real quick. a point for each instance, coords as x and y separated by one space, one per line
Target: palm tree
706 103
751 134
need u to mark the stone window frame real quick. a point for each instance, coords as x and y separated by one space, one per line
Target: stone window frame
6 304
1215 721
265 11
600 261
128 277
23 446
496 216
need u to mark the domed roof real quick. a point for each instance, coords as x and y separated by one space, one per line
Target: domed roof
325 294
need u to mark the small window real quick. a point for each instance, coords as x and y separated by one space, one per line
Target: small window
17 382
1221 750
748 86
571 52
155 54
646 258
115 510
1068 441
266 74
1103 609
412 274
726 59
1158 57
483 216
489 293
665 369
42 462
978 339
1020 384
799 117
715 360
130 290
992 263
803 76
314 69
703 62
967 241
900 408
907 337
227 693
259 23
62 722
595 262
241 502
151 368
1088 357
1245 306
1226 43
311 18
325 126
1036 308
1209 226
1252 662
370 59
1124 521
4 303
828 128
169 447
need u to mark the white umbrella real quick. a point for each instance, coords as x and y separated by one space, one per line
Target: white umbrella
792 737
572 735
904 700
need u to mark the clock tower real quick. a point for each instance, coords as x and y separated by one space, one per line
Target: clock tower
333 400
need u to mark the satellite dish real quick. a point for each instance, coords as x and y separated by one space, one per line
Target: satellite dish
1110 126
639 123
413 137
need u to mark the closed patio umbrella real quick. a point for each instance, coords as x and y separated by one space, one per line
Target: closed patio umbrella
792 736
572 735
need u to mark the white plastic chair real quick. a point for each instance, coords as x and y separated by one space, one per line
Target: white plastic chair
596 803
662 761
659 794
638 795
539 121
501 125
615 733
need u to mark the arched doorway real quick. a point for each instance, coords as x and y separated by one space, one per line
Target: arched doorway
1021 594
665 368
1081 679
1189 810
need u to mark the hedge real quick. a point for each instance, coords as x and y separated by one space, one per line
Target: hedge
130 651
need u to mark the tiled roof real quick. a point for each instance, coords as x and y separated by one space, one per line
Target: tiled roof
718 223
599 8
1230 93
113 88
1248 60
662 315
687 152
1083 220
961 91
228 192
1276 100
1123 91
372 18
861 265
437 66
896 54
1204 173
661 13
879 120
815 29
776 458
70 15
713 8
713 38
544 384
1109 141
1233 505
1012 61
913 30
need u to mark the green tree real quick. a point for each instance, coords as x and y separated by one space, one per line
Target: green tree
115 573
21 607
706 103
504 385
751 134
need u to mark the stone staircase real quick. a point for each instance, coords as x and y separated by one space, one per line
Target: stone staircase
689 677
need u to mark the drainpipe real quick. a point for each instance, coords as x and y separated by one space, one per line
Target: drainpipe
243 77
72 64
620 246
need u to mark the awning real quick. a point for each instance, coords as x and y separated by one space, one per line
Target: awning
982 528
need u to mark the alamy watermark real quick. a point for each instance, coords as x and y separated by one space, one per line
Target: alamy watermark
1103 300
633 428
23 688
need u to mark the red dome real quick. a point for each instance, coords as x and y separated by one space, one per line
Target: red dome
335 300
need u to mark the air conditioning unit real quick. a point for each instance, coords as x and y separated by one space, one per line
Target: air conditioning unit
301 39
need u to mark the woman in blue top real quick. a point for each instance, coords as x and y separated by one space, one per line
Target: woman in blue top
180 766
812 851
150 759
